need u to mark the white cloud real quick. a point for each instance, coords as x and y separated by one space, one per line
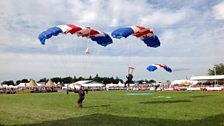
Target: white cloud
218 11
164 17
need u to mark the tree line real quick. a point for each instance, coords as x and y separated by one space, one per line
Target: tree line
69 80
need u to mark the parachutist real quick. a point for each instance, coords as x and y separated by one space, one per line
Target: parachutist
87 51
129 80
81 96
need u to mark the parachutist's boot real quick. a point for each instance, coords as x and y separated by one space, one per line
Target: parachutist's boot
79 105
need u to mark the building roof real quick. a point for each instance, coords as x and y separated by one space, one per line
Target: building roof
211 77
88 83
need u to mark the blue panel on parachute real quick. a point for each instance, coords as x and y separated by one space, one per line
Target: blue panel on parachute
102 40
122 32
54 31
151 68
168 69
152 41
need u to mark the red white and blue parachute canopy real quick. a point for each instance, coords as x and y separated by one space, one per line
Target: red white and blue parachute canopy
153 67
145 34
101 38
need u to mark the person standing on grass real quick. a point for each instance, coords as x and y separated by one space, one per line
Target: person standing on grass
81 96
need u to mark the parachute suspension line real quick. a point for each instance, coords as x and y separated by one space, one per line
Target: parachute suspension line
86 65
64 66
71 62
66 62
130 57
85 57
60 68
130 70
87 45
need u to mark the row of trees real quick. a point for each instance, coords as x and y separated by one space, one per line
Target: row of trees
69 80
11 82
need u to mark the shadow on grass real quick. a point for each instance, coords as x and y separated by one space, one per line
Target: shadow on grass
97 106
166 101
112 120
202 96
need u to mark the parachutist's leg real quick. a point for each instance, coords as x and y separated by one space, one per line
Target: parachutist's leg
128 82
79 102
125 84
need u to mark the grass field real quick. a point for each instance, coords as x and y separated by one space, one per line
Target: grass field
114 108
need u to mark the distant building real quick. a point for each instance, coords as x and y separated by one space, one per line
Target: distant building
88 84
216 79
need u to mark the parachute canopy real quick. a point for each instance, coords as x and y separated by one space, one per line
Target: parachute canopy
153 67
145 34
101 38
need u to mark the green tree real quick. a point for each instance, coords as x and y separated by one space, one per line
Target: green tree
117 80
67 80
10 82
18 82
24 81
80 78
151 81
56 79
218 69
90 78
75 79
97 78
42 80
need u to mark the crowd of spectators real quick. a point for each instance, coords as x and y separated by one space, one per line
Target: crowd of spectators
11 90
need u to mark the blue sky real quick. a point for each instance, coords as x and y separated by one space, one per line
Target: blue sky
191 35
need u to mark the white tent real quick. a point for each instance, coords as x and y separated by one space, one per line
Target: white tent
112 85
88 84
120 84
22 85
50 83
12 86
32 83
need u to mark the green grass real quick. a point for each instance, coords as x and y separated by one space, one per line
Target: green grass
114 108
